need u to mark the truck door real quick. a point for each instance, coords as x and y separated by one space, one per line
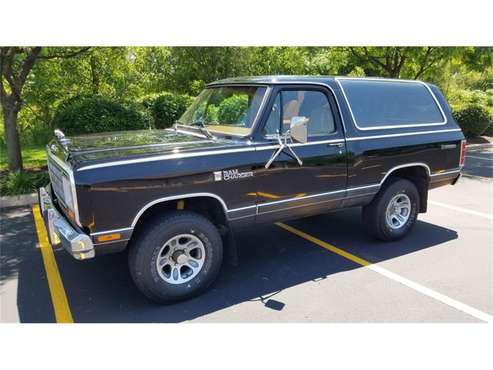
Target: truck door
288 189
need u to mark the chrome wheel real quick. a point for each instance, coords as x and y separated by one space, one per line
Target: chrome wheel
180 259
398 211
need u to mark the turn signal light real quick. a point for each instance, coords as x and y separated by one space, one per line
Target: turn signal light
109 237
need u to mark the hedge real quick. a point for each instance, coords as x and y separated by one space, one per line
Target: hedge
166 108
473 119
14 183
86 114
232 109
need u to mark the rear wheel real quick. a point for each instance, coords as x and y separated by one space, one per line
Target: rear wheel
393 212
175 256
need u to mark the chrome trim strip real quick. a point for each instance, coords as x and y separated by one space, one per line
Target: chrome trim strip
363 187
300 205
70 173
444 122
300 198
167 156
198 154
111 231
258 148
242 208
401 134
175 197
242 217
445 173
145 146
421 164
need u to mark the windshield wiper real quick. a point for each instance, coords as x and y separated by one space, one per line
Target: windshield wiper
203 128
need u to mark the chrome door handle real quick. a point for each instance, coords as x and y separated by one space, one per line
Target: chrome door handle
339 145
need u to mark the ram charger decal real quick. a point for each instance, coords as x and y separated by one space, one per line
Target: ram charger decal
228 175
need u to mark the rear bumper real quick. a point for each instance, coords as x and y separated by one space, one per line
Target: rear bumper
60 231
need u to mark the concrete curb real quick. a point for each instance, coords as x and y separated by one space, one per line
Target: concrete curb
18 200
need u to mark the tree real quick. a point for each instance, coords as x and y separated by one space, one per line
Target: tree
399 62
16 64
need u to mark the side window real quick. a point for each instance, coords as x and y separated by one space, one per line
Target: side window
313 105
378 104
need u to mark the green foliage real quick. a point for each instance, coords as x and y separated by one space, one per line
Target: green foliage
37 135
465 75
34 157
473 119
166 107
460 98
84 114
231 109
14 183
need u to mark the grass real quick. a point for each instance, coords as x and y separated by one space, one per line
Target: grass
33 157
33 177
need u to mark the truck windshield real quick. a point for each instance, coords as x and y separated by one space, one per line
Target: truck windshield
226 109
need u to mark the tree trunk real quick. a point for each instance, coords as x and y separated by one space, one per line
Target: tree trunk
95 75
14 156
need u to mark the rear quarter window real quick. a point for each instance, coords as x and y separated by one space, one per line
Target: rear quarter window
391 104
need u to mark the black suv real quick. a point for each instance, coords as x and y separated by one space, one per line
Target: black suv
248 151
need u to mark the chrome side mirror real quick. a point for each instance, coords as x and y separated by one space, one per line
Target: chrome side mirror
298 129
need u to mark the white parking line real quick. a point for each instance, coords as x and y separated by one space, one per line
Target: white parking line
475 176
485 159
391 275
460 209
433 294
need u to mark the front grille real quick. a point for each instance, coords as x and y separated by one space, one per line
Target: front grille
56 174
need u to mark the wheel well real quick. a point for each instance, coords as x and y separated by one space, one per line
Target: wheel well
208 207
419 176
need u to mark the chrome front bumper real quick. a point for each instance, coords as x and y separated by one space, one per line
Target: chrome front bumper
60 231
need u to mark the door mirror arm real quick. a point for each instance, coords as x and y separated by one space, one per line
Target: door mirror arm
283 145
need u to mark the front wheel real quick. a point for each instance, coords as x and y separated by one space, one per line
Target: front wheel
175 256
393 212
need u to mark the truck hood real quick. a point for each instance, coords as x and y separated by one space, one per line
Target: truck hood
111 146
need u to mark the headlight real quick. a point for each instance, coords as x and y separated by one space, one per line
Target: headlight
67 193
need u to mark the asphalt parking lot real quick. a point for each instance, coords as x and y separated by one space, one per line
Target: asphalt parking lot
318 269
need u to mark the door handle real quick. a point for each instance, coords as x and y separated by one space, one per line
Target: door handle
339 145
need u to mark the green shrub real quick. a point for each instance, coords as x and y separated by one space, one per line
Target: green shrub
15 183
489 130
85 114
37 136
232 109
166 107
474 120
461 98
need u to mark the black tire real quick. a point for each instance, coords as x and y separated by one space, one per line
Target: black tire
143 254
374 214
